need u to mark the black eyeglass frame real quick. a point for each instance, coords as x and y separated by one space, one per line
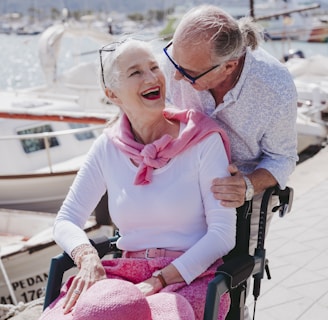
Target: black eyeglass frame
103 49
182 71
113 47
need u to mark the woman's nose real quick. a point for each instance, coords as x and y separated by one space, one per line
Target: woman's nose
150 76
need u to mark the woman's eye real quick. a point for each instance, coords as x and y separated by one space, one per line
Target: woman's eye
134 73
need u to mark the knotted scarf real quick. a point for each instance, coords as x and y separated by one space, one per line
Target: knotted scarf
157 154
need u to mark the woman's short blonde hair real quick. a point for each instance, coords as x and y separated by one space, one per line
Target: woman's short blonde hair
109 70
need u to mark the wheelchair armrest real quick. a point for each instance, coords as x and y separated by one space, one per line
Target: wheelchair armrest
58 266
104 245
228 276
237 269
63 262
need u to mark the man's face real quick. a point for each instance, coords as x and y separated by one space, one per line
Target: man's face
195 64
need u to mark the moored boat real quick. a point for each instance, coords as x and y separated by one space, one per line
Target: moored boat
27 247
311 79
40 158
292 20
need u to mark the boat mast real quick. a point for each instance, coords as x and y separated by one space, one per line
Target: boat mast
251 8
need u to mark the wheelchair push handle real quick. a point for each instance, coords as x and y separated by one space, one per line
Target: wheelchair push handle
286 197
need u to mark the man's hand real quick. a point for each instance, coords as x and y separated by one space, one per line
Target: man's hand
230 190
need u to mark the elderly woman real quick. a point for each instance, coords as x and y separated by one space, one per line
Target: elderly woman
157 165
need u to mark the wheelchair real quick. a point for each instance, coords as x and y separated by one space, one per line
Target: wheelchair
231 277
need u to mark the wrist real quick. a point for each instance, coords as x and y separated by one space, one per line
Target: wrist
159 276
81 252
249 192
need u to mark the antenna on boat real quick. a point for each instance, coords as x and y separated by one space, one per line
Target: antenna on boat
251 8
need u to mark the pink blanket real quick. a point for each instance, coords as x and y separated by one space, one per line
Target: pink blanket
115 300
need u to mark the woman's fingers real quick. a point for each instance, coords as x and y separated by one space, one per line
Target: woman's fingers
71 298
91 271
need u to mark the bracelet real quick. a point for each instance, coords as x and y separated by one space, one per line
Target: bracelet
158 274
82 250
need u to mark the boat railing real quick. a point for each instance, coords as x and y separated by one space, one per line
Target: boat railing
46 135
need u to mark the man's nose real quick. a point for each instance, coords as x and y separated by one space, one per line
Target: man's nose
178 75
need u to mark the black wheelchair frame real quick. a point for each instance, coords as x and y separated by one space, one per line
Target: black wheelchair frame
230 277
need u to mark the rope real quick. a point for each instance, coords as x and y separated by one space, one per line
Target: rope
9 310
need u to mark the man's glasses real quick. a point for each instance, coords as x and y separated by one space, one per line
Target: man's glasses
182 71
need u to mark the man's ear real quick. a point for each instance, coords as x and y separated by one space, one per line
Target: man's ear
113 97
231 66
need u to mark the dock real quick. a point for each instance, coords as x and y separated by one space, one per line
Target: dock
297 247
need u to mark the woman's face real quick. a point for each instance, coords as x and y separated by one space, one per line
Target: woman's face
141 86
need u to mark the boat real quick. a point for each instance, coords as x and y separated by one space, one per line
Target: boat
310 134
70 76
46 131
40 157
291 20
311 80
27 246
310 76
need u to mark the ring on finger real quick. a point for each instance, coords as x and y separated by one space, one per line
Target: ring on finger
77 292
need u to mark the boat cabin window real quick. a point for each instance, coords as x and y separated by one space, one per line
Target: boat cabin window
36 144
82 135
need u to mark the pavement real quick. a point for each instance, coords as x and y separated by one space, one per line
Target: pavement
297 249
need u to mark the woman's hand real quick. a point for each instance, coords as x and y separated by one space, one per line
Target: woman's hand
153 284
149 286
91 271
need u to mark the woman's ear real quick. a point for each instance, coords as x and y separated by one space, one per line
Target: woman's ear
113 97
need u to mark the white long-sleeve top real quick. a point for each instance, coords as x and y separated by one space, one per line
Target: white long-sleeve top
175 211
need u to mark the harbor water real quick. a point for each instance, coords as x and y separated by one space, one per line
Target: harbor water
20 66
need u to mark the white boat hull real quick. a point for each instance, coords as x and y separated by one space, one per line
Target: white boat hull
28 274
35 192
311 80
309 133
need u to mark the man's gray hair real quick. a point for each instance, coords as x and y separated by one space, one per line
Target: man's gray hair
229 37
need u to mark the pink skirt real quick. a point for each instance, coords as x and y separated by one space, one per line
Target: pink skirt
171 303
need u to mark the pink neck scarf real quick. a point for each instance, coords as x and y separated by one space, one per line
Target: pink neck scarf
158 154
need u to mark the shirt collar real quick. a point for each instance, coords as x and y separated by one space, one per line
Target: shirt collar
233 94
